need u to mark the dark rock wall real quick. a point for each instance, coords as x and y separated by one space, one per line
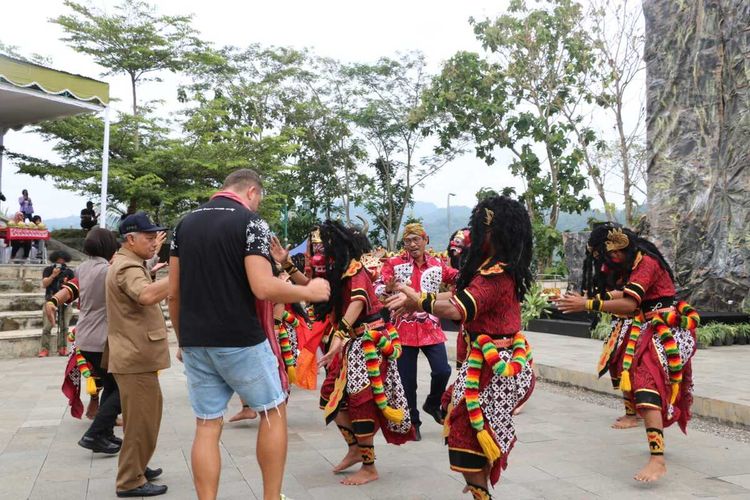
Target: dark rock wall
698 124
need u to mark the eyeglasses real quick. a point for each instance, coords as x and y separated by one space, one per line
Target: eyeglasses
414 240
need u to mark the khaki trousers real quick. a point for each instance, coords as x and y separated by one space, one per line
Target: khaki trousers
141 399
62 338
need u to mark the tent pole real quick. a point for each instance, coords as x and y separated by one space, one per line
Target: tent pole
2 151
105 171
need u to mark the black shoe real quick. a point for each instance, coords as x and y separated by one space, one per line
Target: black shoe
147 490
417 434
435 412
114 439
152 474
99 445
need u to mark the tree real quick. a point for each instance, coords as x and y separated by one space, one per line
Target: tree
237 117
145 160
522 97
544 57
132 41
387 117
13 51
619 40
329 149
135 177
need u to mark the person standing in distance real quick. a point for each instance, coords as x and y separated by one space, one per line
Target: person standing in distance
136 350
220 263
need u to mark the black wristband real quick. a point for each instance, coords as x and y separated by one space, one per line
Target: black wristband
345 327
427 302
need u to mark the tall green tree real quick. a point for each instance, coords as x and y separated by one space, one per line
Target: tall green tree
144 156
330 152
133 40
524 97
388 118
512 99
237 116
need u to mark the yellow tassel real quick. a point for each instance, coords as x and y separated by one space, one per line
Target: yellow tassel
446 422
625 381
675 392
91 386
394 414
292 374
489 447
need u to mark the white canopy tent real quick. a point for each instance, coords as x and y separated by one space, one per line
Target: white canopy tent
31 93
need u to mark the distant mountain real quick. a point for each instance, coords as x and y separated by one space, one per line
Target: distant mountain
71 221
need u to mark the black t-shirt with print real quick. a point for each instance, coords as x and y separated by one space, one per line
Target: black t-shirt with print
217 305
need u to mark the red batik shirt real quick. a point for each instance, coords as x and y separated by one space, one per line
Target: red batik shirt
648 281
489 304
419 328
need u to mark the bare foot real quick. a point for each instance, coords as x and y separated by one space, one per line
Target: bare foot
653 471
244 414
626 422
364 475
352 457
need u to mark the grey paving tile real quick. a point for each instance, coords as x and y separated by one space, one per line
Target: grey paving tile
565 450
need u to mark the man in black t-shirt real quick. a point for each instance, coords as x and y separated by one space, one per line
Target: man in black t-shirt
53 278
220 263
88 217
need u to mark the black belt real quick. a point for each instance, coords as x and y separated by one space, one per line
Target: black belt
659 303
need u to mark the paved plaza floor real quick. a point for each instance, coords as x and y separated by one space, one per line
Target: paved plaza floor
565 450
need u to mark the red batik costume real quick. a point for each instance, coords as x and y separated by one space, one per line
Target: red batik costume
364 380
661 343
418 328
613 352
495 378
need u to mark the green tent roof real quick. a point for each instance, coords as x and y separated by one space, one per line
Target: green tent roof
30 93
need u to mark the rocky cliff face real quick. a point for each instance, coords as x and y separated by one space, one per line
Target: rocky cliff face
698 74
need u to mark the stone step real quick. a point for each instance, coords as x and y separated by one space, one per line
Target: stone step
25 278
21 301
22 285
25 343
22 320
21 343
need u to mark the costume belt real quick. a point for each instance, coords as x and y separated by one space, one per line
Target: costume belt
364 326
501 340
649 315
661 303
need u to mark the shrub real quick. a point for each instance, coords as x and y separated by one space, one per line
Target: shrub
534 304
603 328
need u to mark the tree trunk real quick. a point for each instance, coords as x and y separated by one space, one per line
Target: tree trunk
136 135
625 158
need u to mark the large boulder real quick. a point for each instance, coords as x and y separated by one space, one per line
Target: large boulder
698 125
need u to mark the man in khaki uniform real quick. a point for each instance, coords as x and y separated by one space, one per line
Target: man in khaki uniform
136 349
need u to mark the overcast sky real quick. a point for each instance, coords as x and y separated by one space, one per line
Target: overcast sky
350 31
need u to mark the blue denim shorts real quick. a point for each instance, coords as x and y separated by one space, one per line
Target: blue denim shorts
215 373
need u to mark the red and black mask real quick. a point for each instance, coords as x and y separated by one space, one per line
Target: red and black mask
318 261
